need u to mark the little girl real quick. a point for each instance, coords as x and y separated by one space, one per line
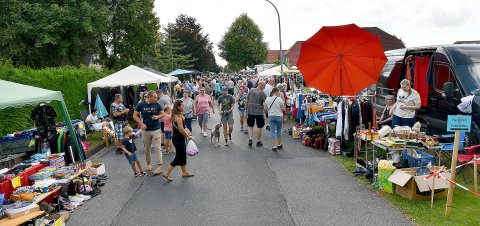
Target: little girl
168 129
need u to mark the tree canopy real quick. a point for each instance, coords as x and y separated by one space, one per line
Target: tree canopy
56 33
242 45
187 30
51 34
171 56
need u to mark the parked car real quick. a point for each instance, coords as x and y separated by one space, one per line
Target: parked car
453 73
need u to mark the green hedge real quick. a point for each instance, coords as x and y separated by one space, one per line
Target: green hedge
72 82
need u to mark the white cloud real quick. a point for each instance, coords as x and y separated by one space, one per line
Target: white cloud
418 22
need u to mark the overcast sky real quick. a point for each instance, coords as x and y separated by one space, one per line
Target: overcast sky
417 22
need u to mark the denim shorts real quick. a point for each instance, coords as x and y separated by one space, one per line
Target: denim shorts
168 135
132 159
241 113
203 118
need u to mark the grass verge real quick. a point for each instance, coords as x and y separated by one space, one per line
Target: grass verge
465 205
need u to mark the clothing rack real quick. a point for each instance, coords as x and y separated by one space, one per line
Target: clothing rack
373 99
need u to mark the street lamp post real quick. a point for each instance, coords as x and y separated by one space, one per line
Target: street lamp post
280 38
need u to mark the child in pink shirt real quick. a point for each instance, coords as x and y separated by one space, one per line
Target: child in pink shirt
168 129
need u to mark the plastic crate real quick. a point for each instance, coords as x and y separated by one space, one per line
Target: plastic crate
424 160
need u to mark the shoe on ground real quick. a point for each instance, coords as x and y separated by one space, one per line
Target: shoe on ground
149 168
280 147
274 149
250 143
158 170
205 134
246 131
259 144
226 143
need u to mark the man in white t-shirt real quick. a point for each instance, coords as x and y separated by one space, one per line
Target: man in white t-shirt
270 85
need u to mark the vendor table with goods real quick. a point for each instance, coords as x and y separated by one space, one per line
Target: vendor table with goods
45 188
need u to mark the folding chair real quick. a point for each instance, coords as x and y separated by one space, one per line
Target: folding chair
467 157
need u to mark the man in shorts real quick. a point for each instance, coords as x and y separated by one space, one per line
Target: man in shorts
119 115
226 103
255 112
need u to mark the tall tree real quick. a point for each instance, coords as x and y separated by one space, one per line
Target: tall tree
51 33
243 43
133 33
186 29
171 56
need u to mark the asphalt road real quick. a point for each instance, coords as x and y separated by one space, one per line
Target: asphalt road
237 185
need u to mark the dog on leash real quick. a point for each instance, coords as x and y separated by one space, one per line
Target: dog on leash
215 137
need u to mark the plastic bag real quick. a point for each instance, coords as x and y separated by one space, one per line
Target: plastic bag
466 105
192 149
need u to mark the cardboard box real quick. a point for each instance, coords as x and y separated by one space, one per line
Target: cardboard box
417 188
59 218
97 169
383 183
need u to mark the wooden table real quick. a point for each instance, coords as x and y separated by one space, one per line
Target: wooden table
22 219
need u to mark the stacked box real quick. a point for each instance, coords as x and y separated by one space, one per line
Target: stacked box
333 146
383 183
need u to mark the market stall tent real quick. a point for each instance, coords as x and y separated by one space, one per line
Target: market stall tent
129 76
17 95
174 79
276 71
180 72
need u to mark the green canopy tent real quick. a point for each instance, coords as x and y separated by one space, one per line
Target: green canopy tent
17 95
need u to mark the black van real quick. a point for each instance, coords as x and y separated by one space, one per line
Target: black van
453 72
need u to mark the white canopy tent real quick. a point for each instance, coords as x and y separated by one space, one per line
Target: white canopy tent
275 71
131 75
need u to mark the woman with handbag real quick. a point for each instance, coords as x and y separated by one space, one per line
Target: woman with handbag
179 139
275 106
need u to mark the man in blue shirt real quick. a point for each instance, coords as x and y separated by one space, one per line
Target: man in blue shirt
151 112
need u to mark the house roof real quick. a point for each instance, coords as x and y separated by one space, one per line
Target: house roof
293 53
274 55
389 42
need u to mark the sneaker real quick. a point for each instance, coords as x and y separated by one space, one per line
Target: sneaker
149 167
205 134
246 131
280 147
250 143
259 143
226 142
274 149
142 174
137 174
241 129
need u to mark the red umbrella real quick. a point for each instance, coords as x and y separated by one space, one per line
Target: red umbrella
341 60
